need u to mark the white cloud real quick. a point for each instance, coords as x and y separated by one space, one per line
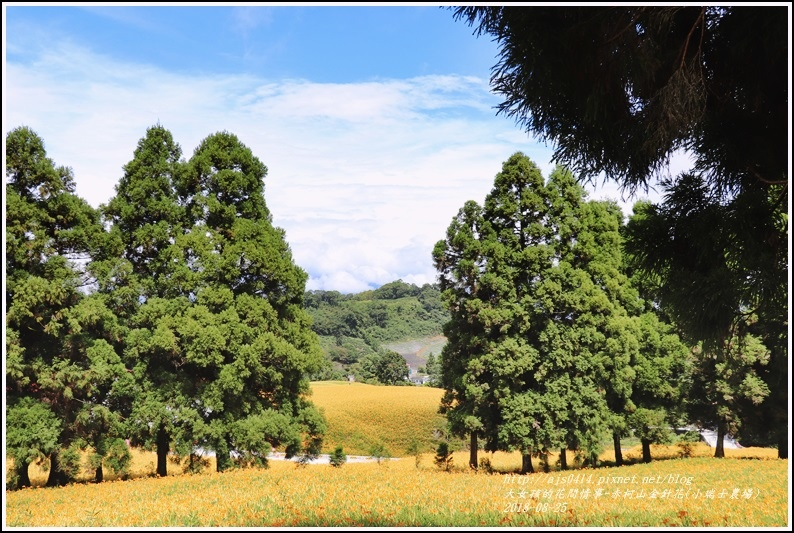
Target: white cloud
363 177
246 19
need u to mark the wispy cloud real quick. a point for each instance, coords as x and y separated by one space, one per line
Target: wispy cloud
131 16
363 177
245 19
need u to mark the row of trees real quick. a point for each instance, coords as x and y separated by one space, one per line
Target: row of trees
552 343
618 90
392 312
171 316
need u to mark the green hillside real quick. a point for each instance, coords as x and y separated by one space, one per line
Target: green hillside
356 329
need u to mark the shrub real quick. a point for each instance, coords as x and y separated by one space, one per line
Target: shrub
338 458
378 452
413 449
444 457
195 464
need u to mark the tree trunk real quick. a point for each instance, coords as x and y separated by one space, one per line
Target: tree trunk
57 476
526 464
99 476
222 461
544 460
779 395
52 478
473 451
23 477
646 450
162 451
720 450
618 451
563 459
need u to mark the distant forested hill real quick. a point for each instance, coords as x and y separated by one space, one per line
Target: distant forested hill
355 329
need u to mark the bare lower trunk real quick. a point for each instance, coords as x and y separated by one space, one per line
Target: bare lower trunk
563 459
720 450
618 451
526 464
23 478
473 451
162 451
57 476
646 450
222 461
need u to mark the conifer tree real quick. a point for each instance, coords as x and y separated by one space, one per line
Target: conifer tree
62 341
150 284
533 286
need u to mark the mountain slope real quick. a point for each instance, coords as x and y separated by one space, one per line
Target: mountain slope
354 329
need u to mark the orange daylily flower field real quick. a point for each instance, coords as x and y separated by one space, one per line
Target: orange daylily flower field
748 488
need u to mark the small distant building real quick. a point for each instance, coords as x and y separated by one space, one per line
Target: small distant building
351 378
417 379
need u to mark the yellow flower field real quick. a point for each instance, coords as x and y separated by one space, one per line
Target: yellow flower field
749 488
699 491
360 415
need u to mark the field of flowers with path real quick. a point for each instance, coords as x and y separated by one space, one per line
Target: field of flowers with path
749 488
696 491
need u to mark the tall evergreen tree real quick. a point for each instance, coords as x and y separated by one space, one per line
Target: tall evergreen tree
62 342
534 344
459 262
248 336
149 283
711 80
696 253
726 385
661 381
220 343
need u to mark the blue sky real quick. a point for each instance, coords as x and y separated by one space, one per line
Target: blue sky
376 122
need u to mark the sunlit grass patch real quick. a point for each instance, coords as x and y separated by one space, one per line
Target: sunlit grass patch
361 415
721 493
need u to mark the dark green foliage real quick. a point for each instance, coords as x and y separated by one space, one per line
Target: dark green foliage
112 452
709 80
183 327
714 263
384 367
32 433
338 457
660 379
146 216
394 312
379 452
537 342
239 346
395 290
61 343
726 388
433 369
391 368
444 458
